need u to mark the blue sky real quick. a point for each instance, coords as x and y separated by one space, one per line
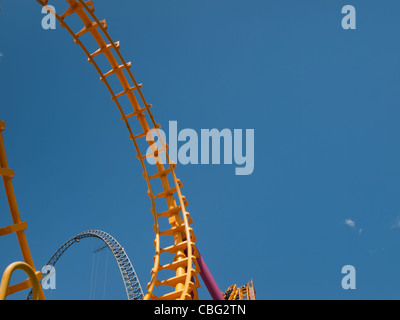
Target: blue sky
324 104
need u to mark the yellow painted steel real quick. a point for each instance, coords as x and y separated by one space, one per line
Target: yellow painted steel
183 285
246 292
18 227
32 282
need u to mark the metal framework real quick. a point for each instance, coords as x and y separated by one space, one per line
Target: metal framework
131 281
177 262
18 227
164 188
246 292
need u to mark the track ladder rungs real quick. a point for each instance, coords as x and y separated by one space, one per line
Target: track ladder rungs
171 296
155 153
168 192
169 212
174 265
126 91
175 247
165 193
91 27
163 172
103 49
173 230
21 226
144 133
74 8
5 172
172 282
112 71
137 113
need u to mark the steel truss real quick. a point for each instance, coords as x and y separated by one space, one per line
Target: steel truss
131 281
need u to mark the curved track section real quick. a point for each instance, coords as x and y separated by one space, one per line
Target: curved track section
175 271
131 281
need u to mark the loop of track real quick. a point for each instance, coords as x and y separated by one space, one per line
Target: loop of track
183 285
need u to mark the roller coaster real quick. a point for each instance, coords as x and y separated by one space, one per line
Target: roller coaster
131 282
177 279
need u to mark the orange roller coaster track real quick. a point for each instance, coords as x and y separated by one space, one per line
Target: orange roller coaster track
184 282
18 227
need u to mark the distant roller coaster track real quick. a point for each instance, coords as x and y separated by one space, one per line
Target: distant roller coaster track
131 281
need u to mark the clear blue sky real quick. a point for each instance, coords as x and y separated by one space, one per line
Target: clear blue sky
324 103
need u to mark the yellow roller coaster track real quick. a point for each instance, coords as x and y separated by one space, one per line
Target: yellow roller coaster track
246 292
183 283
19 228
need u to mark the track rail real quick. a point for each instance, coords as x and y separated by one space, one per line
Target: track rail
131 281
179 236
246 292
18 227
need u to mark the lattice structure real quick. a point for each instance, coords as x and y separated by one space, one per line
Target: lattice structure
175 269
246 292
18 227
129 277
